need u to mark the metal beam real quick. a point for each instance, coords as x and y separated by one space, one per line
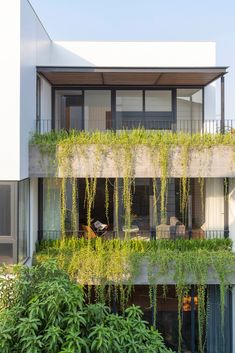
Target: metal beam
222 121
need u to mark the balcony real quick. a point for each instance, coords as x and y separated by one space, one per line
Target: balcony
143 215
81 161
191 126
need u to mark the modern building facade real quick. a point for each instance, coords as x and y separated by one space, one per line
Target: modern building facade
166 86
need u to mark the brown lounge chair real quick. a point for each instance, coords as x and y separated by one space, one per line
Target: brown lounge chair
88 232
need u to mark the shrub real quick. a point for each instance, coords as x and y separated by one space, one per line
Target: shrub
42 310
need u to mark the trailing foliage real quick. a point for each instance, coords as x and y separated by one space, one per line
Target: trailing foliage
42 310
48 142
64 146
114 265
117 263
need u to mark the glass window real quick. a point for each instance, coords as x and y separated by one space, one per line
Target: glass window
71 112
140 205
189 110
6 254
129 101
23 237
5 210
158 101
51 208
97 110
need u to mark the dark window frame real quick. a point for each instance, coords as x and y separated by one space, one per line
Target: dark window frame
113 90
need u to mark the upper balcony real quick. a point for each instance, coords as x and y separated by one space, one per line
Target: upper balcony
171 99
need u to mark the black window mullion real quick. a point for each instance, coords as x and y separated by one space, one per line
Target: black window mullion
113 108
83 110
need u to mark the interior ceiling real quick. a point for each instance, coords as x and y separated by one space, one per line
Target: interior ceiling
156 77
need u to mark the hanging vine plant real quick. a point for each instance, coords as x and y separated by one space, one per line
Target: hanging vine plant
115 265
124 148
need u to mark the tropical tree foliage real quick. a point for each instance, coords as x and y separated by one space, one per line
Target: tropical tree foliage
42 310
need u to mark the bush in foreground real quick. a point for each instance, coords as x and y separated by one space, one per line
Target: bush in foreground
42 310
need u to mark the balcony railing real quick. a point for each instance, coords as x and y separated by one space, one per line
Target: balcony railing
188 126
142 234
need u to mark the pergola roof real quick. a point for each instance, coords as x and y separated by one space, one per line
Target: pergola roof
132 76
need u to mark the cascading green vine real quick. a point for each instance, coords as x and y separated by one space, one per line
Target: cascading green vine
112 266
155 200
201 182
184 194
164 156
117 263
107 199
63 207
184 179
116 205
74 215
123 148
127 202
91 184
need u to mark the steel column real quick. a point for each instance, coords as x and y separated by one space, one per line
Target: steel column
222 121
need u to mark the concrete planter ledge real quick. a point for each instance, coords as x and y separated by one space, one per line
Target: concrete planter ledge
143 279
214 162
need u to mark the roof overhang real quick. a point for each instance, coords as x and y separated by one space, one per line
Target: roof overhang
132 76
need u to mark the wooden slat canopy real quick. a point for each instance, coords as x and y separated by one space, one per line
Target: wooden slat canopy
63 76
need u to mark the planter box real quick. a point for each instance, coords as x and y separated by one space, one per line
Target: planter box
213 162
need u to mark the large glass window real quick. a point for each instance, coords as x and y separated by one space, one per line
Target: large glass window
5 210
8 222
6 253
51 207
129 109
71 106
97 110
23 232
189 110
140 205
69 109
158 101
129 101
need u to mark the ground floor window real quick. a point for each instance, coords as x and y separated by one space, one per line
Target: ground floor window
216 339
8 222
14 221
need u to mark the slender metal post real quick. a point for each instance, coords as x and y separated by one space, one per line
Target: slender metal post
191 115
222 121
192 321
226 213
113 110
190 216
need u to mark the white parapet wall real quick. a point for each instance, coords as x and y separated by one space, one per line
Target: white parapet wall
133 54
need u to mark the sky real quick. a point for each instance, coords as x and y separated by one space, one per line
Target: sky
160 20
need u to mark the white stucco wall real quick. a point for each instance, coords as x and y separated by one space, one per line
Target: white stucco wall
9 90
34 46
24 42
